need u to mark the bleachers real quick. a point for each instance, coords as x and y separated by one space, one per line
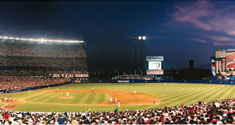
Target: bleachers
214 112
22 82
42 55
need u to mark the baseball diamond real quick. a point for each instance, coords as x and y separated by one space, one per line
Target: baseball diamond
81 97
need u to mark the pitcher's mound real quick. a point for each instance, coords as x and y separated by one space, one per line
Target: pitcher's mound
66 97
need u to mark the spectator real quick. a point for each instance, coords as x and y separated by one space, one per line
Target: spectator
214 112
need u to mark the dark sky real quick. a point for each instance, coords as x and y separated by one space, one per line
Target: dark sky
179 30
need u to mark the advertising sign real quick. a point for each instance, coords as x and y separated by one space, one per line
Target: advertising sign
220 54
81 75
155 58
230 59
154 72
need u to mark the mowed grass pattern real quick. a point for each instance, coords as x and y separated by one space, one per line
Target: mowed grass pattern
77 98
171 94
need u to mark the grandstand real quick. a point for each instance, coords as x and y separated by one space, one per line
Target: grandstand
28 56
223 64
27 64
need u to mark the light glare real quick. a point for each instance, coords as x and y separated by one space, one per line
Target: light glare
144 38
42 40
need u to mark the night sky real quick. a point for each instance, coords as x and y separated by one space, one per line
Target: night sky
179 30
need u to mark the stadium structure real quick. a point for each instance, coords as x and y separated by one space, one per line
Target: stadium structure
50 66
223 64
42 57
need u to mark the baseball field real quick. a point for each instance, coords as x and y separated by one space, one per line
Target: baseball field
96 96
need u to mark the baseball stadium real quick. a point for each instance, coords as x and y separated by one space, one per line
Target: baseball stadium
117 62
38 77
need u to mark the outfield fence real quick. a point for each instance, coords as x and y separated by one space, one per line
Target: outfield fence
226 82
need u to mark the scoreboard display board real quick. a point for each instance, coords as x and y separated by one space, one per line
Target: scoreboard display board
154 65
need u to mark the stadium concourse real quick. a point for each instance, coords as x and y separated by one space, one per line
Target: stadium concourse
215 112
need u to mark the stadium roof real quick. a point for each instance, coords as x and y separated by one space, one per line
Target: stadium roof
40 40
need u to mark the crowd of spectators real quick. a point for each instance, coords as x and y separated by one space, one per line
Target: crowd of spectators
41 62
46 73
42 55
22 82
214 112
42 50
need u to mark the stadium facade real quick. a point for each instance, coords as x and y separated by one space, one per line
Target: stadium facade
223 64
45 57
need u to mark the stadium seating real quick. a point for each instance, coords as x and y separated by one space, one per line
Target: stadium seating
17 54
22 82
215 112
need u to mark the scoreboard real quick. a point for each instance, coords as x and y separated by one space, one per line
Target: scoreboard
154 65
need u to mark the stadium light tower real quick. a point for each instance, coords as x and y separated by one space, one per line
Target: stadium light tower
139 65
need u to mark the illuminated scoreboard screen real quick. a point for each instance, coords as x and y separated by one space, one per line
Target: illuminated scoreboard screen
154 65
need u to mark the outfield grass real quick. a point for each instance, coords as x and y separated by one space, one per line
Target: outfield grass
171 94
1 104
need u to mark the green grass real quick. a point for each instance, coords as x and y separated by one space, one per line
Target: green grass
78 98
171 94
1 104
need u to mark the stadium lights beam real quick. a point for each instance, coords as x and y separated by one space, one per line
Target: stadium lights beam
144 37
41 40
141 37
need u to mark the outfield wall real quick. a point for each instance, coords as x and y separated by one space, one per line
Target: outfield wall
228 82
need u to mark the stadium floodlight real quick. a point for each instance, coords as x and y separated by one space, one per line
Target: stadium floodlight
5 37
41 40
143 37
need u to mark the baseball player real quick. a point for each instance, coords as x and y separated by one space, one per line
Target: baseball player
116 100
110 99
119 105
154 100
